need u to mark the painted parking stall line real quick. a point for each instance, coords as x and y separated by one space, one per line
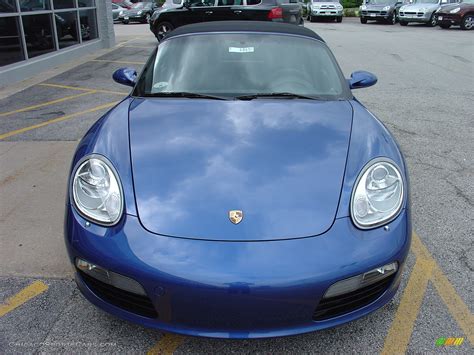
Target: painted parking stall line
425 269
47 103
29 292
59 86
55 120
167 344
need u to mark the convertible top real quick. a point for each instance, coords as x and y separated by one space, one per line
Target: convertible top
244 26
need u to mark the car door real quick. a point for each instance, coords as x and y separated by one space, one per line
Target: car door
193 12
222 11
253 10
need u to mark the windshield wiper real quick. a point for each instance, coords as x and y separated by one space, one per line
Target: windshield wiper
191 95
278 94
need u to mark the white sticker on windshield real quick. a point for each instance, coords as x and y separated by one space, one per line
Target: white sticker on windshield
241 50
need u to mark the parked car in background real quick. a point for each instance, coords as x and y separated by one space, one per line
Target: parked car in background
459 14
421 11
194 11
329 9
168 4
117 11
124 3
380 10
139 12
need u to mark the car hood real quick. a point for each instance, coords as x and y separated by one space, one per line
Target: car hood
378 7
446 8
418 7
281 162
329 4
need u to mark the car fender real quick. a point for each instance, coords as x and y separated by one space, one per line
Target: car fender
370 139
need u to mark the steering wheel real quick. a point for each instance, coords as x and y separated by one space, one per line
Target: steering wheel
289 78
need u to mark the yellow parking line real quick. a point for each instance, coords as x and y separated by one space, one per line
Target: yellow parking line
47 103
400 332
456 306
55 120
23 296
426 269
142 47
83 89
167 344
117 61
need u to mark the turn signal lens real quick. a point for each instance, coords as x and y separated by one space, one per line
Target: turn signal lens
361 281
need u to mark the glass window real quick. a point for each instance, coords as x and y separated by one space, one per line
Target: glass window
38 34
229 2
253 2
34 5
66 27
86 3
63 4
10 42
88 25
244 64
177 2
7 6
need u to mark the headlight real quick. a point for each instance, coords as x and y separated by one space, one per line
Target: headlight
139 12
454 11
338 7
96 191
403 8
363 7
121 13
378 194
386 8
315 7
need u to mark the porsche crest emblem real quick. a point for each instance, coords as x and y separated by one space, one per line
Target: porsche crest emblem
236 216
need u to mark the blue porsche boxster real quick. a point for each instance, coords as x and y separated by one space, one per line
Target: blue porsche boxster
240 190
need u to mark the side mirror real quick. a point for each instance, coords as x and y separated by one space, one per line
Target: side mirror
361 79
125 76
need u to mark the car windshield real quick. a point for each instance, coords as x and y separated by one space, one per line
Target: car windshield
231 65
138 5
467 1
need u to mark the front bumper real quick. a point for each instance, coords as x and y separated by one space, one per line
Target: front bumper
326 13
237 289
132 17
449 19
422 17
375 15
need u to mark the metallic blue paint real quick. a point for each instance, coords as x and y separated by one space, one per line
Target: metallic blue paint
245 285
282 164
237 289
362 79
125 76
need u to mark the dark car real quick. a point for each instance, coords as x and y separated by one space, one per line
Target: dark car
139 12
117 10
194 11
461 14
381 11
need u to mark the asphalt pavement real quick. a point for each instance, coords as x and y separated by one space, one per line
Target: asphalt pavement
424 97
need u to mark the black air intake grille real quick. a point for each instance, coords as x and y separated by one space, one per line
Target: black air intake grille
129 301
348 302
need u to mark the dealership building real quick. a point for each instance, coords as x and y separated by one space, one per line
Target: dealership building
36 35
